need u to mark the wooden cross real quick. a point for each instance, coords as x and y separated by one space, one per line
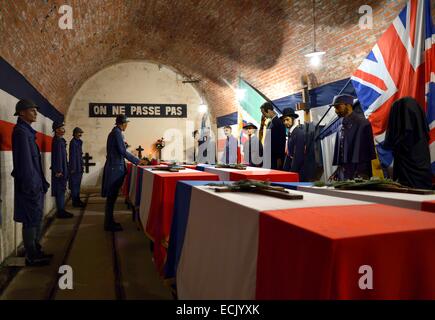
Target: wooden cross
87 163
253 186
139 150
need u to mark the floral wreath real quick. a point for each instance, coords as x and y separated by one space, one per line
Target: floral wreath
160 144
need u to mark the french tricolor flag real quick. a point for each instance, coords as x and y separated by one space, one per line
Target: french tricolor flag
14 86
8 121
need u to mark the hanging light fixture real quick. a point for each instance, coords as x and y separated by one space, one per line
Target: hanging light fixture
315 56
203 107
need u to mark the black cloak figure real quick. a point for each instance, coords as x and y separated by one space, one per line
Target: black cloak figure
407 136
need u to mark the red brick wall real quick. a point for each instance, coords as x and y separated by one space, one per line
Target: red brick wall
212 40
338 34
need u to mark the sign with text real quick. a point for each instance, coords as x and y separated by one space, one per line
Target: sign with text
109 110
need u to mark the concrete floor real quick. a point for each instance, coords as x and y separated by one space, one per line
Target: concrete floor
99 271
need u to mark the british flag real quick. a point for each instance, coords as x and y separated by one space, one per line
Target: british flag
402 63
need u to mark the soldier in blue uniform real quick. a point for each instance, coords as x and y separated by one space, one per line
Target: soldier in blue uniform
252 147
59 170
30 184
115 170
229 156
354 146
76 167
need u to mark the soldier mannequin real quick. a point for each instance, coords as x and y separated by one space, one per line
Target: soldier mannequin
274 145
76 167
295 147
115 170
252 147
30 184
59 170
229 155
354 146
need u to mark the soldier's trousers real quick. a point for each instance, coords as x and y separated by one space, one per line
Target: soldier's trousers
74 184
60 202
110 203
110 206
31 239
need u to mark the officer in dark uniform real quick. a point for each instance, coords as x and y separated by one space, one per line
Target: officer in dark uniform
30 185
59 170
115 170
76 167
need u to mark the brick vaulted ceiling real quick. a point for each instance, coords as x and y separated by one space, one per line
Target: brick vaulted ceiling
209 39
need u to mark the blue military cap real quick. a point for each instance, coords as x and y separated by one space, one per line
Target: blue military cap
57 124
121 118
77 130
343 99
24 104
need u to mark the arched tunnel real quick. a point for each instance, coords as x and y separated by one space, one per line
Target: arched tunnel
130 178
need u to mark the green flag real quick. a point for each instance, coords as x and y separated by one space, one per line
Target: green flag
250 103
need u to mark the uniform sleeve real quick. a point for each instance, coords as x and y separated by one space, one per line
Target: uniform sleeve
22 157
299 151
71 157
224 154
278 138
56 152
368 133
74 160
123 150
335 158
234 148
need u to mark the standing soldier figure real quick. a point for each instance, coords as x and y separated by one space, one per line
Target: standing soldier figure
274 145
76 167
30 185
295 146
252 147
59 170
115 170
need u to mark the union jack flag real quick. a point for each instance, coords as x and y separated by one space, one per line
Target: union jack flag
402 63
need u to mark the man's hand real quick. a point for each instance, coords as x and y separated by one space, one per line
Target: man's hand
58 175
142 163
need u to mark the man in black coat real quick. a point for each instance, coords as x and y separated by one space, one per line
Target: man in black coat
274 143
295 148
354 146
